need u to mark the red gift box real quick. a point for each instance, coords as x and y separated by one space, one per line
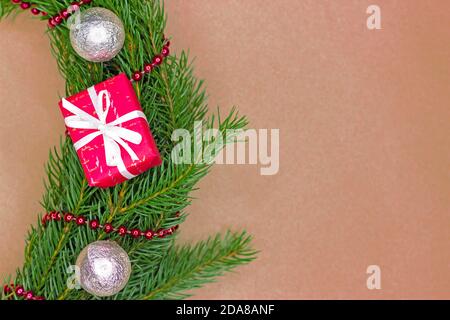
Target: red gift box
110 132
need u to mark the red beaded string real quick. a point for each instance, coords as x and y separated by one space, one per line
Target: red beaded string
56 19
107 227
156 61
20 292
25 5
64 14
94 225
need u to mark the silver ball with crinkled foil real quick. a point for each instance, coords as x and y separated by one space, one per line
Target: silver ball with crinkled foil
96 34
104 267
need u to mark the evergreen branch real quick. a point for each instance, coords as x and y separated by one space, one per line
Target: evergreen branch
6 8
63 235
171 98
191 267
158 193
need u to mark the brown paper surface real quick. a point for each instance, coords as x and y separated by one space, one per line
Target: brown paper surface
364 142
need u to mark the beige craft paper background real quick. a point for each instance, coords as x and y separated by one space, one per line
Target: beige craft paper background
365 142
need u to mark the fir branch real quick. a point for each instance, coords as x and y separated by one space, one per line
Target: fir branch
186 268
171 98
6 8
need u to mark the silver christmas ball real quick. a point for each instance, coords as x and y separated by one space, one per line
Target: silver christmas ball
96 34
105 268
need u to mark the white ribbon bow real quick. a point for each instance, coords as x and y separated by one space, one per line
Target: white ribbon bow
113 134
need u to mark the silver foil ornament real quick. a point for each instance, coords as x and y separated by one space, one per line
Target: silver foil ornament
96 34
104 267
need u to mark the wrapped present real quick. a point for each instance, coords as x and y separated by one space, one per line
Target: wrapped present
110 132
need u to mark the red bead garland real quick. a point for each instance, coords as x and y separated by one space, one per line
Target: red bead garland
66 13
135 233
56 19
137 76
25 5
148 68
108 228
149 234
94 224
156 61
20 292
122 231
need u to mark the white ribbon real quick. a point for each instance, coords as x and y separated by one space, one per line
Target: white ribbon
113 134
